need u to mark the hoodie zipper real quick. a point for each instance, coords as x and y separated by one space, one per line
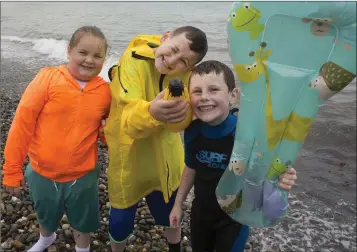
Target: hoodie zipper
75 124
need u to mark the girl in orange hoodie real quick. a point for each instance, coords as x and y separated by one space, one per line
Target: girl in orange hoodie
56 124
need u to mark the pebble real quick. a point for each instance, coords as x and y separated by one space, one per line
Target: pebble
4 195
68 233
32 238
14 199
7 244
22 220
9 208
52 248
32 216
65 226
102 187
64 219
14 227
18 245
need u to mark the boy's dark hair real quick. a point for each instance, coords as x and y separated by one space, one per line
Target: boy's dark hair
198 40
92 30
217 67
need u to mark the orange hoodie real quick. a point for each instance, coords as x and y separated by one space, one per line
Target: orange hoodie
57 124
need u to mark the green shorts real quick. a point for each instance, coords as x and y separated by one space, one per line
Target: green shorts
78 199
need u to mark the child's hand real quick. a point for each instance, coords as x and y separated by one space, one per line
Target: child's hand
101 131
15 191
102 125
171 111
176 216
287 179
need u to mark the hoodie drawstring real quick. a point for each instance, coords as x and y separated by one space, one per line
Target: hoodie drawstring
54 182
73 183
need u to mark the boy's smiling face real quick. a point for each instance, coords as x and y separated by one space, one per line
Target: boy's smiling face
174 54
210 97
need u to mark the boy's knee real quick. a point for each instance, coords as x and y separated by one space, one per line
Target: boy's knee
159 209
121 223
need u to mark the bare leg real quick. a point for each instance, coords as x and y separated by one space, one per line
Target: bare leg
44 232
173 235
46 239
118 247
82 239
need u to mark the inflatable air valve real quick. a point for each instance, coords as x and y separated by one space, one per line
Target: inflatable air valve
175 90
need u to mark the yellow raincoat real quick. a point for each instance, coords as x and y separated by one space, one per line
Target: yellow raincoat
144 156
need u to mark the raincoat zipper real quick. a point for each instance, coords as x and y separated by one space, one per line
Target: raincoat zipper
167 181
162 77
110 77
125 91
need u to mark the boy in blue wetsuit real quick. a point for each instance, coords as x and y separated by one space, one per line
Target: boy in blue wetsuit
208 145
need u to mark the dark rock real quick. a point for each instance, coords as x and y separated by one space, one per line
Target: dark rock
32 237
18 245
150 221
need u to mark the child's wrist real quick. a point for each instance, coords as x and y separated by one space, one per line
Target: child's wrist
178 204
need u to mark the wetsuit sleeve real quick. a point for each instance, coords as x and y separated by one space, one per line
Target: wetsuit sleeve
23 127
188 161
128 92
189 135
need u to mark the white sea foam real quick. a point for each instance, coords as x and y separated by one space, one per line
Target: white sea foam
310 226
53 49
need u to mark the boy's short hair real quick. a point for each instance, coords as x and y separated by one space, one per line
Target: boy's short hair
198 40
217 67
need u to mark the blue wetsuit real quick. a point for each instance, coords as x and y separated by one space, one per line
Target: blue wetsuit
208 151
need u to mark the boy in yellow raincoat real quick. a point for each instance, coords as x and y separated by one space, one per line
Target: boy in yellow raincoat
145 158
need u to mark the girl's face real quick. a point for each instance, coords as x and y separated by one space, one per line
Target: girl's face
86 59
